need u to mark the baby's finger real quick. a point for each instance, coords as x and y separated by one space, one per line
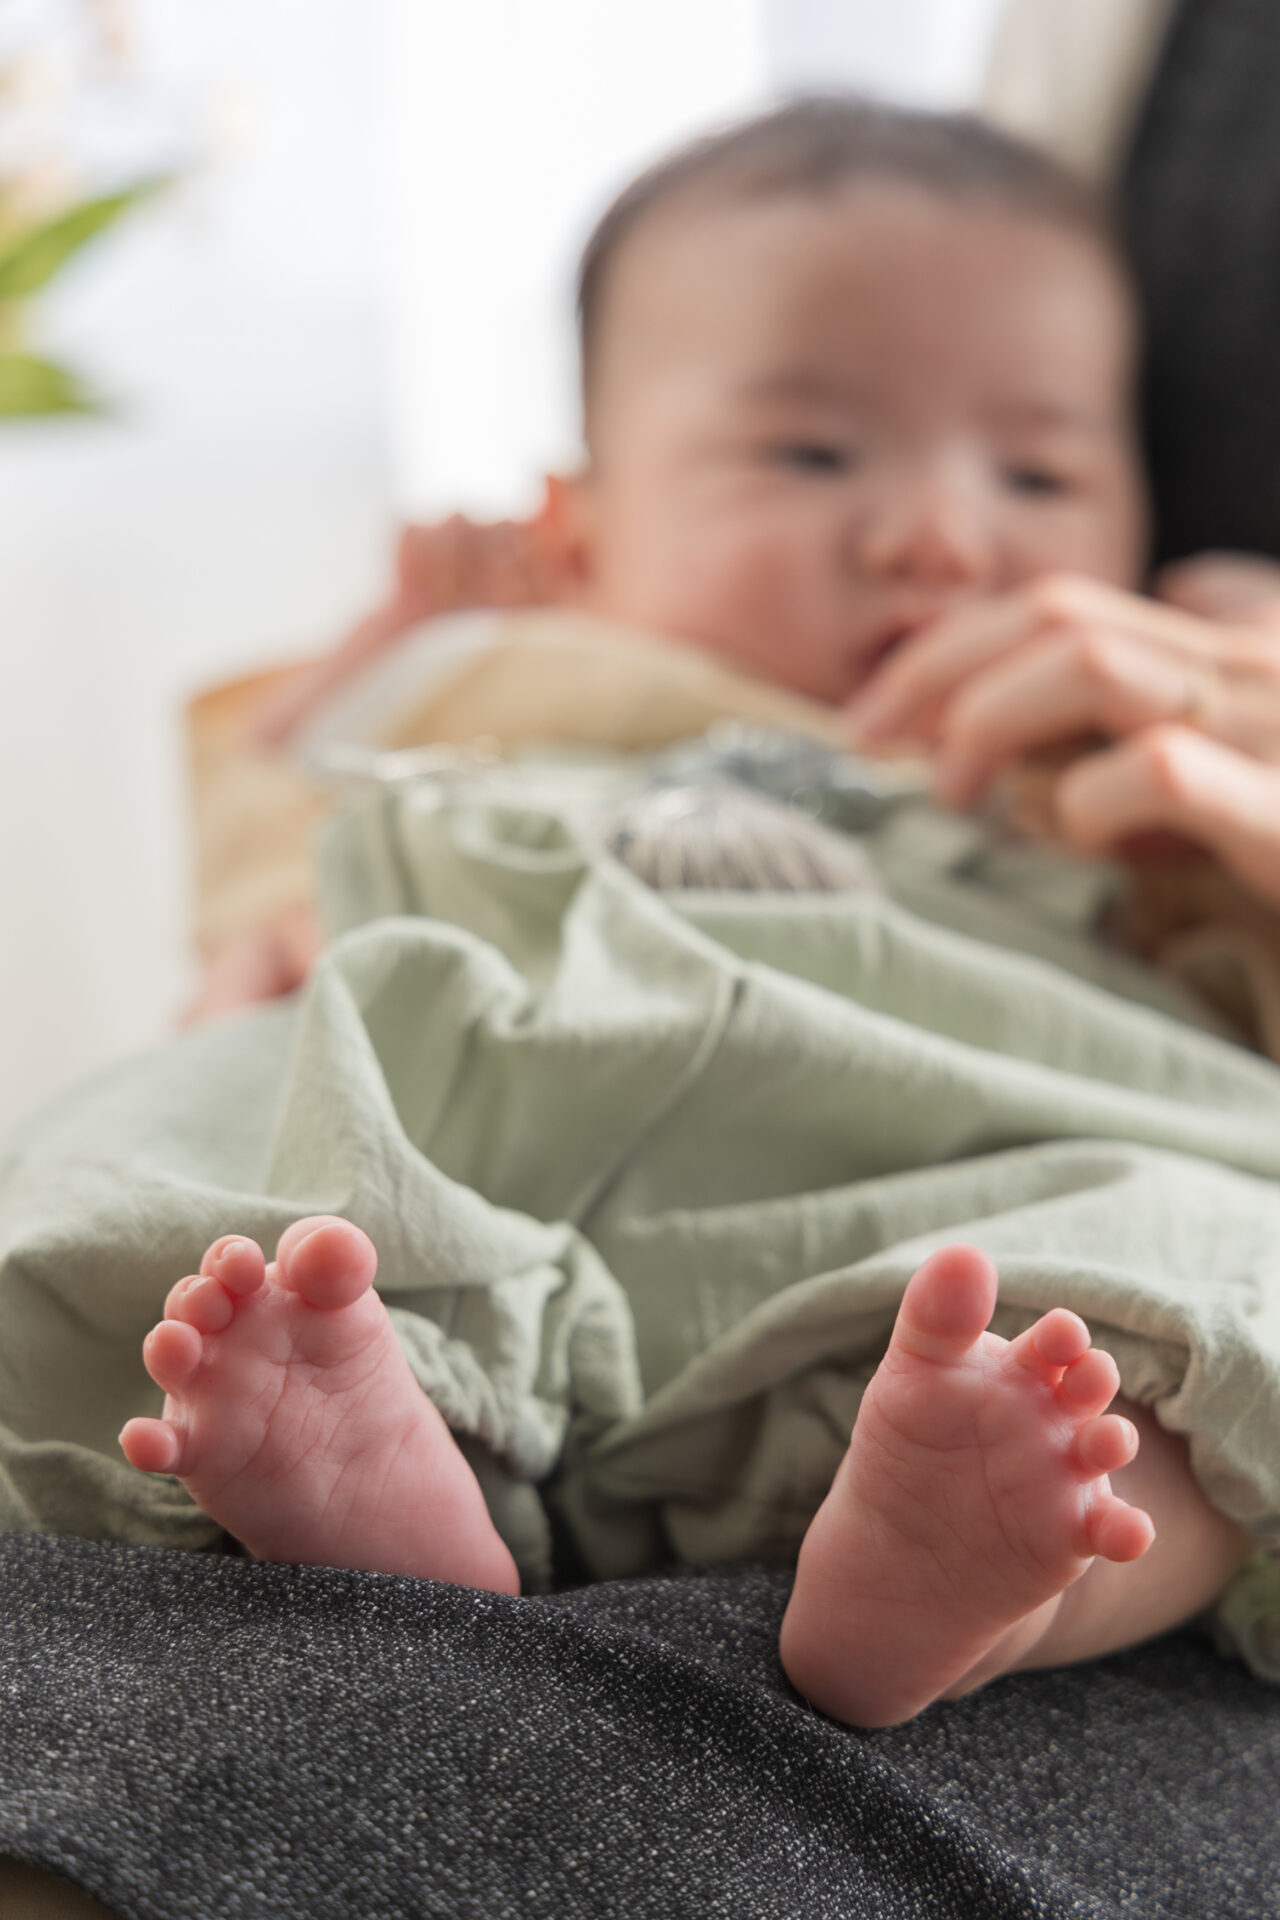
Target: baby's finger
457 563
1175 778
1068 685
498 566
511 564
422 562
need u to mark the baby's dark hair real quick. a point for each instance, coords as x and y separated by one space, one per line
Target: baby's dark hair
816 145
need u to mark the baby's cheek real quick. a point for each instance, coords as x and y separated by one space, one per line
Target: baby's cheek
791 617
749 581
743 603
748 590
1101 538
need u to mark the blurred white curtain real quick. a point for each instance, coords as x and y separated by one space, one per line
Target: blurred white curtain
1072 74
510 125
929 53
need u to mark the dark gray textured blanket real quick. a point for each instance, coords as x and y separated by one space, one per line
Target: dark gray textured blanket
199 1738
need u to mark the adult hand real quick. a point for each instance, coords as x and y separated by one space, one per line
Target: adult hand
1240 588
1191 705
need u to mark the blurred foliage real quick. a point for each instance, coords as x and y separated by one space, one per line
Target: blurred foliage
30 386
29 260
31 255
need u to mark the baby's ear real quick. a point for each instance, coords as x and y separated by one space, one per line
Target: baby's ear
566 527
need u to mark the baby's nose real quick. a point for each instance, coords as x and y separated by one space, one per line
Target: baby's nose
929 529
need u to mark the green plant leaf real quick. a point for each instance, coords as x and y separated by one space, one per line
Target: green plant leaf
30 386
29 260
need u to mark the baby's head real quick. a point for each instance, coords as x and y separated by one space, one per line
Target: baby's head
843 367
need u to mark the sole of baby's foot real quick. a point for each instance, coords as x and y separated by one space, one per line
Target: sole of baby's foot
291 1416
974 1493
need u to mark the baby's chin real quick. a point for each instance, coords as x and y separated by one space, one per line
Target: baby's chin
837 674
828 679
828 673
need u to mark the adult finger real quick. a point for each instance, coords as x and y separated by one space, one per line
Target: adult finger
1236 587
1068 685
924 672
1175 778
906 696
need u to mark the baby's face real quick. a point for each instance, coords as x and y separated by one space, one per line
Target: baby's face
817 423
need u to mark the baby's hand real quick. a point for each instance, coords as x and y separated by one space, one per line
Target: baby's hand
460 563
263 965
448 567
1239 589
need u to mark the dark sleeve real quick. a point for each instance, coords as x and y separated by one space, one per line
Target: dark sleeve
1200 201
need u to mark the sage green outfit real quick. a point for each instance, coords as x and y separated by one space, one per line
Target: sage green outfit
647 1175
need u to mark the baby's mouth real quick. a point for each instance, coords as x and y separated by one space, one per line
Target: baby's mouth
888 644
884 643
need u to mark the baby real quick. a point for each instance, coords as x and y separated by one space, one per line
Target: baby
844 370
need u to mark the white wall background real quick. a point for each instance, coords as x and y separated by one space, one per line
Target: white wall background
362 308
233 509
518 123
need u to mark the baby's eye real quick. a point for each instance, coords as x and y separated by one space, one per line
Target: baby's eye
811 456
1035 480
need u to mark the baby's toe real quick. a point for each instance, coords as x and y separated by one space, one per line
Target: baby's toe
1089 1384
171 1353
1058 1339
326 1260
1116 1531
1105 1445
201 1302
238 1263
152 1446
947 1304
176 1294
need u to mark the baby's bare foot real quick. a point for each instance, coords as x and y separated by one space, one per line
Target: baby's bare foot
292 1418
974 1492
